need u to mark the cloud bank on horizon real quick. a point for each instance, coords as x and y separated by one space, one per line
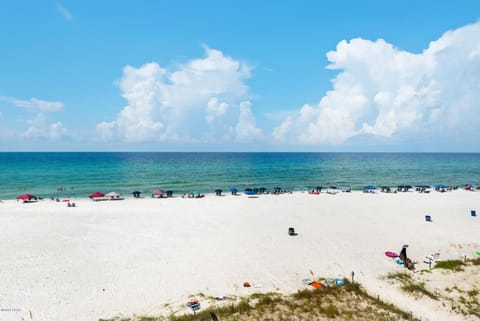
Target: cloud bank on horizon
380 94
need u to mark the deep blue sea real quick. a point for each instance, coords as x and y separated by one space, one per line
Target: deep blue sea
79 174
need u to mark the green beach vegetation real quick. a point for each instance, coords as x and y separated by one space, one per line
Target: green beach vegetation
348 302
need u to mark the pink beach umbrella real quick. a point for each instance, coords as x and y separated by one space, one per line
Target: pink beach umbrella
158 192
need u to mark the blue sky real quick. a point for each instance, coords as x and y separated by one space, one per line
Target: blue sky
240 76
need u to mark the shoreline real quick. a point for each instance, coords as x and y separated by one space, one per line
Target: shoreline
131 256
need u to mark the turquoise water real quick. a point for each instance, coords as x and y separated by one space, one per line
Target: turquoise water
80 174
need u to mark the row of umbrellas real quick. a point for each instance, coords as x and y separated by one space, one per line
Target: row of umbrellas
261 190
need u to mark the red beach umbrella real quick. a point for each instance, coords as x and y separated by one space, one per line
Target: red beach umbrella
26 197
158 192
96 194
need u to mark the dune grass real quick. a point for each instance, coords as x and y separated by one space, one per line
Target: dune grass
411 286
348 302
453 265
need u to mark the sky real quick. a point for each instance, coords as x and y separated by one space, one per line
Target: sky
314 76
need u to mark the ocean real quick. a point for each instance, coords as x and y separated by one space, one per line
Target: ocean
75 174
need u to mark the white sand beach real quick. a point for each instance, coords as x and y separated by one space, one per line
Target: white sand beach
101 259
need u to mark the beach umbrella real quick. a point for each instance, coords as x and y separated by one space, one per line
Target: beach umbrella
96 194
233 190
136 194
158 192
196 193
169 193
218 192
441 186
319 188
26 197
369 187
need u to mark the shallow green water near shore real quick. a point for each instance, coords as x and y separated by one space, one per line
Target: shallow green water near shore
79 174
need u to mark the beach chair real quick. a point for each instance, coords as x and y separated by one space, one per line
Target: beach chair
291 231
428 218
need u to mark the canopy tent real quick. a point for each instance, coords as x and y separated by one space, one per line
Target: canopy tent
96 194
112 195
26 197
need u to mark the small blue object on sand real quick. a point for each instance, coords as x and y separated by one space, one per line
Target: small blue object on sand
428 218
340 282
307 281
473 213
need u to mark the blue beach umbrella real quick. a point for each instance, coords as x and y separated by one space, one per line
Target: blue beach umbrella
233 190
196 193
369 187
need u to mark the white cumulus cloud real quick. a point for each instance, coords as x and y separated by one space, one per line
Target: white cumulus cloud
387 92
215 109
34 104
246 129
178 105
39 127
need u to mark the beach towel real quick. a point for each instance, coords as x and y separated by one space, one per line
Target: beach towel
192 302
391 254
316 285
